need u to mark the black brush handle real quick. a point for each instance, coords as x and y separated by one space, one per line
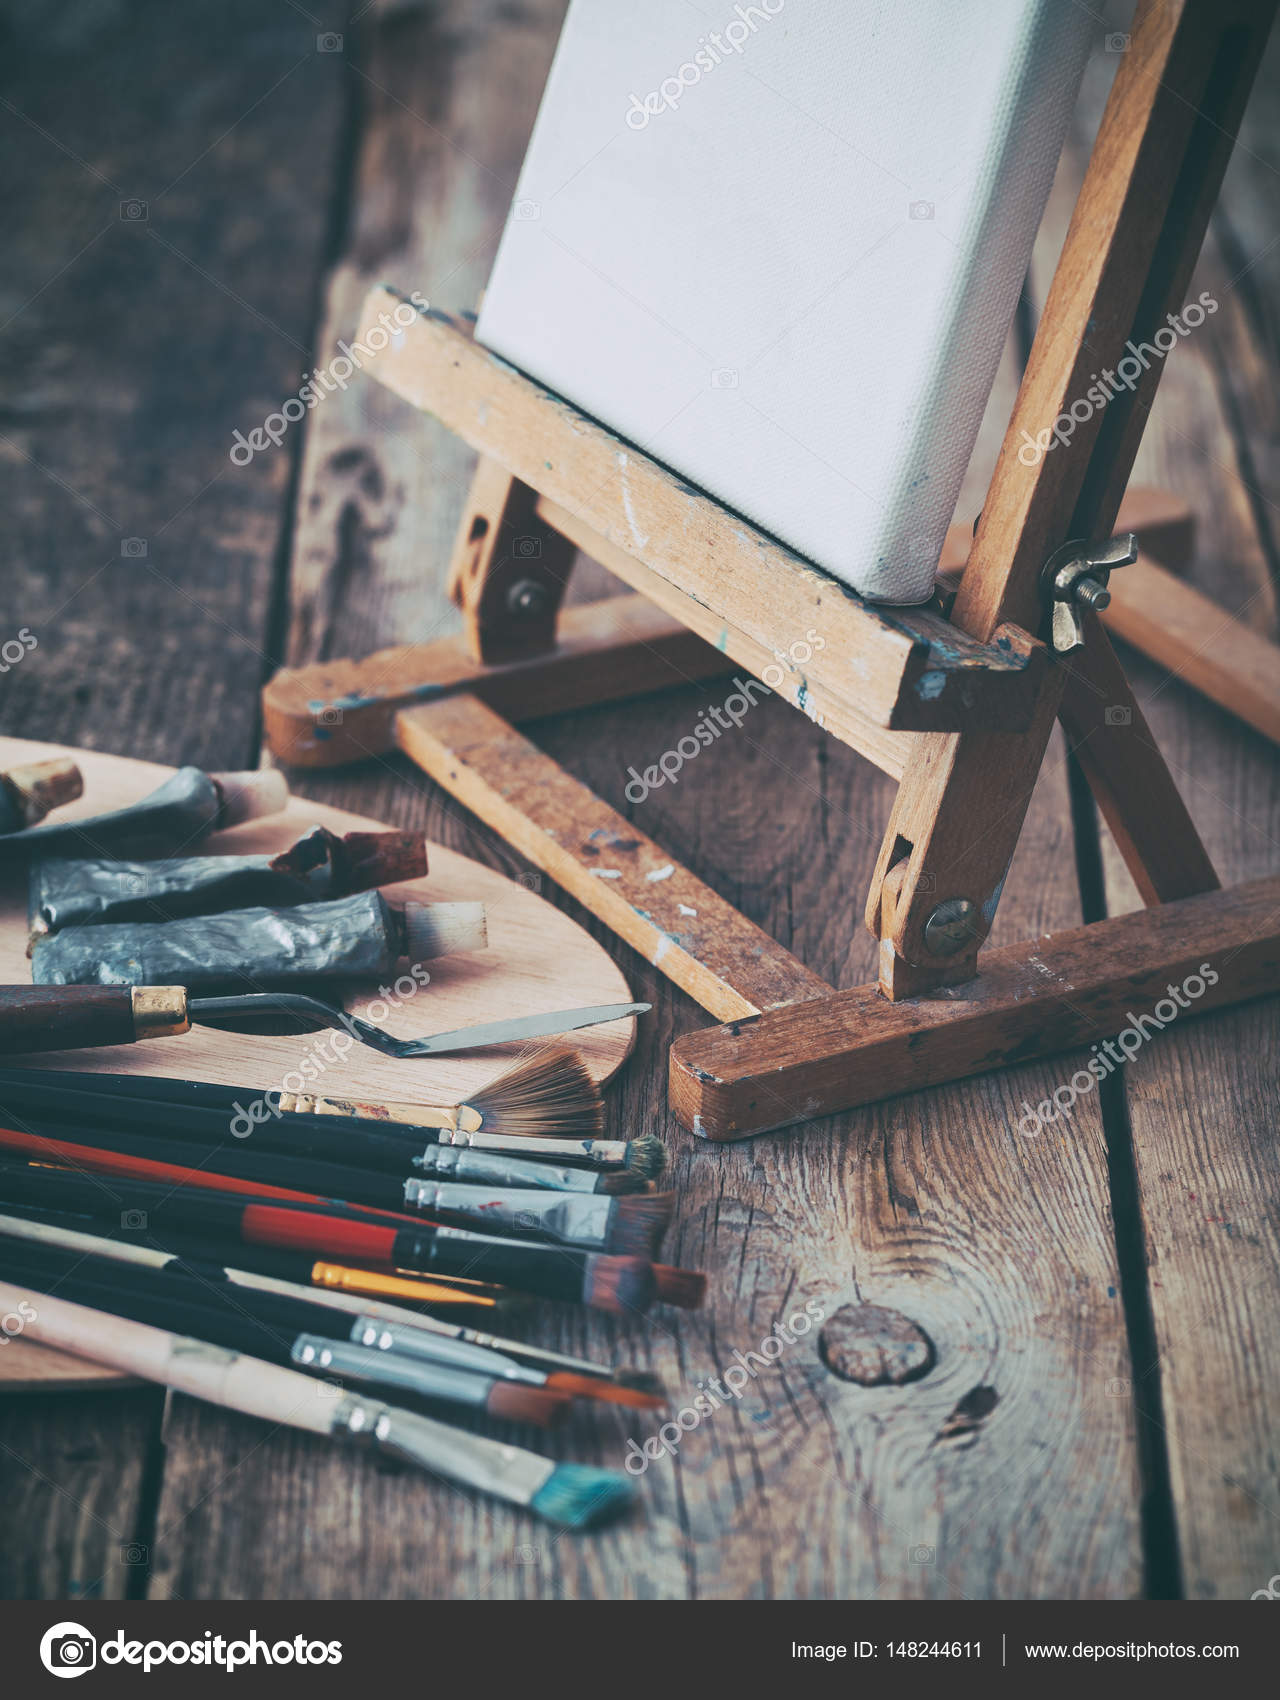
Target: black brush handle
176 1284
238 1331
128 1204
208 1259
64 1018
67 1104
548 1272
297 1173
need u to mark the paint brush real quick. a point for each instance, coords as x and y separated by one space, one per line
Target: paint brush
63 1018
550 1094
28 793
572 1495
629 1226
369 1146
351 938
598 1279
362 1320
280 1331
362 1287
189 805
93 891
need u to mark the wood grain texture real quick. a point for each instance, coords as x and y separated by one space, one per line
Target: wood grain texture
998 1247
509 570
1014 1458
904 668
72 1468
1185 632
161 298
1142 208
1202 1102
132 348
1032 999
676 922
783 670
334 713
1135 792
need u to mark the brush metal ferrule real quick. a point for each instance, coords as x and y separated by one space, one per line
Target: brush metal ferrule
428 1380
599 1153
409 1342
462 1163
578 1219
472 1460
447 1117
159 1011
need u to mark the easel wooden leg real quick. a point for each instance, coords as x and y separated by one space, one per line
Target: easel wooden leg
1031 1000
1133 787
509 569
951 837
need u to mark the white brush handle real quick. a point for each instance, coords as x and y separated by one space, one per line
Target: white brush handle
191 1366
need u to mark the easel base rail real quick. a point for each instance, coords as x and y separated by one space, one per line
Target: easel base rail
1054 994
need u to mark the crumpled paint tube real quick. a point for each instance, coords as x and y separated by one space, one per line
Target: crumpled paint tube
28 793
186 807
91 892
351 938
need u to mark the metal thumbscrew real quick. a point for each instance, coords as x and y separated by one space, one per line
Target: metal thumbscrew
1075 577
952 926
527 596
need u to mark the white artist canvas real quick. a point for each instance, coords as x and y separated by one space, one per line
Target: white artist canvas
779 245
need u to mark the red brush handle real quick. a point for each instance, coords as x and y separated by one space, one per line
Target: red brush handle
103 1161
332 1236
65 1018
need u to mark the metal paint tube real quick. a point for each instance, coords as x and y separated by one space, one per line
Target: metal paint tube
185 808
97 891
352 938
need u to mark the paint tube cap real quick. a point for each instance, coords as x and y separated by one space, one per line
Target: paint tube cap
247 796
441 929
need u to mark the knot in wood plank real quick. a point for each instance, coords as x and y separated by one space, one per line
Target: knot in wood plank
873 1345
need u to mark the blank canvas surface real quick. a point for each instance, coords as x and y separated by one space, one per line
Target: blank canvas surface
779 246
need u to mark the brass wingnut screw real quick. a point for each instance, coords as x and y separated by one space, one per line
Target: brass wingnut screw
1076 577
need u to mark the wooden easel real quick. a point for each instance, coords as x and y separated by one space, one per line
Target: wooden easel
956 699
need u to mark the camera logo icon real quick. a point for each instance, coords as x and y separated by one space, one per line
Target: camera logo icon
68 1649
919 210
724 378
527 548
1117 714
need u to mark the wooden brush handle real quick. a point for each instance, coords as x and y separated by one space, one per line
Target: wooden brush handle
205 1372
70 1018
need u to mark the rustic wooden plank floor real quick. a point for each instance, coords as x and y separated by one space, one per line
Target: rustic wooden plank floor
202 201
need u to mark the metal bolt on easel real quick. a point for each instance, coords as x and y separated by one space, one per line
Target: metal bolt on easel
1075 577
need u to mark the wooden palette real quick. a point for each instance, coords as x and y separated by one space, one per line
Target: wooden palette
538 959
